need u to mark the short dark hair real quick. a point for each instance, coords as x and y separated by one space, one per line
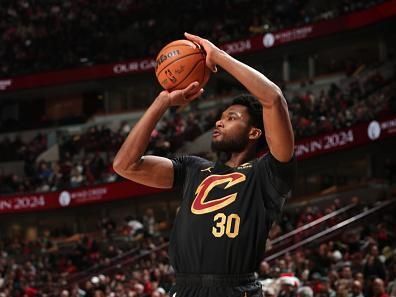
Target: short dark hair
255 110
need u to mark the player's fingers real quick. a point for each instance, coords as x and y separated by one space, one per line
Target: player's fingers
195 95
192 37
164 93
206 47
191 88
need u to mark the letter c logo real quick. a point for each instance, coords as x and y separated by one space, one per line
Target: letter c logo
200 206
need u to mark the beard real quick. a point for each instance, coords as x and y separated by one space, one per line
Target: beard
236 144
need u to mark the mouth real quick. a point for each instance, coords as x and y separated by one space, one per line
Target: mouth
216 133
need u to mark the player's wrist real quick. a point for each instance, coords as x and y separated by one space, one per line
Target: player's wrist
163 100
217 56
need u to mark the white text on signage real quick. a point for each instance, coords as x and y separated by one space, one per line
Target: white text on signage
27 202
4 84
134 66
237 47
325 143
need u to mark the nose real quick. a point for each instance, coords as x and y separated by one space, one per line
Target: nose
219 123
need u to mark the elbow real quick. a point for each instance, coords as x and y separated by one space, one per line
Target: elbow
274 98
116 166
121 165
284 156
119 169
277 96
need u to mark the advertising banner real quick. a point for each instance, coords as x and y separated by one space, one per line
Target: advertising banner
74 197
357 135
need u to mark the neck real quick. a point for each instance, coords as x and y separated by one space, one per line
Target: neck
239 158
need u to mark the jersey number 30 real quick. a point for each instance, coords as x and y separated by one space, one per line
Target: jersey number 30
226 224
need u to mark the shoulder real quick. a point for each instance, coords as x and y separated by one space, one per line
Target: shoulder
185 168
269 160
280 174
191 161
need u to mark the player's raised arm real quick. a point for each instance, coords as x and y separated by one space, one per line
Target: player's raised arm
277 125
151 170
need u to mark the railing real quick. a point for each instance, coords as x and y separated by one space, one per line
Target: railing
311 228
115 264
313 223
332 231
101 268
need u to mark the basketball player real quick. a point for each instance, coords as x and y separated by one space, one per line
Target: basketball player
228 207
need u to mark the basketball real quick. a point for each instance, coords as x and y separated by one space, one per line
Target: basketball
180 63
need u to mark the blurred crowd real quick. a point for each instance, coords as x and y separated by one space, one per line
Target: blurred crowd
359 263
40 36
300 216
16 149
85 158
341 107
39 277
56 258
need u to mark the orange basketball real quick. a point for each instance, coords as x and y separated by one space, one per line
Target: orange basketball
180 63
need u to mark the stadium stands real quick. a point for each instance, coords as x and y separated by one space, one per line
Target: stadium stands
48 35
86 158
95 263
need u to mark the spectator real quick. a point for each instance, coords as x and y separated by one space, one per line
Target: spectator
288 287
324 287
373 266
149 221
264 270
379 288
269 292
136 228
304 292
357 289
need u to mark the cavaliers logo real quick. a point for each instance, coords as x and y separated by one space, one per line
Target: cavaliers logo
200 206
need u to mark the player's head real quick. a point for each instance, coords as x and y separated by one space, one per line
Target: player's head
240 125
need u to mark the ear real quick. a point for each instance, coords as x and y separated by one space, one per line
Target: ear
255 133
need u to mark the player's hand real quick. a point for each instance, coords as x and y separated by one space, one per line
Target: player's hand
209 48
182 97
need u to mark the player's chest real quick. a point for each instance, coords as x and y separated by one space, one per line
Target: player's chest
220 204
213 191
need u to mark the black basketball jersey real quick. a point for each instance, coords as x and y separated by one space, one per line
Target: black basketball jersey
226 213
